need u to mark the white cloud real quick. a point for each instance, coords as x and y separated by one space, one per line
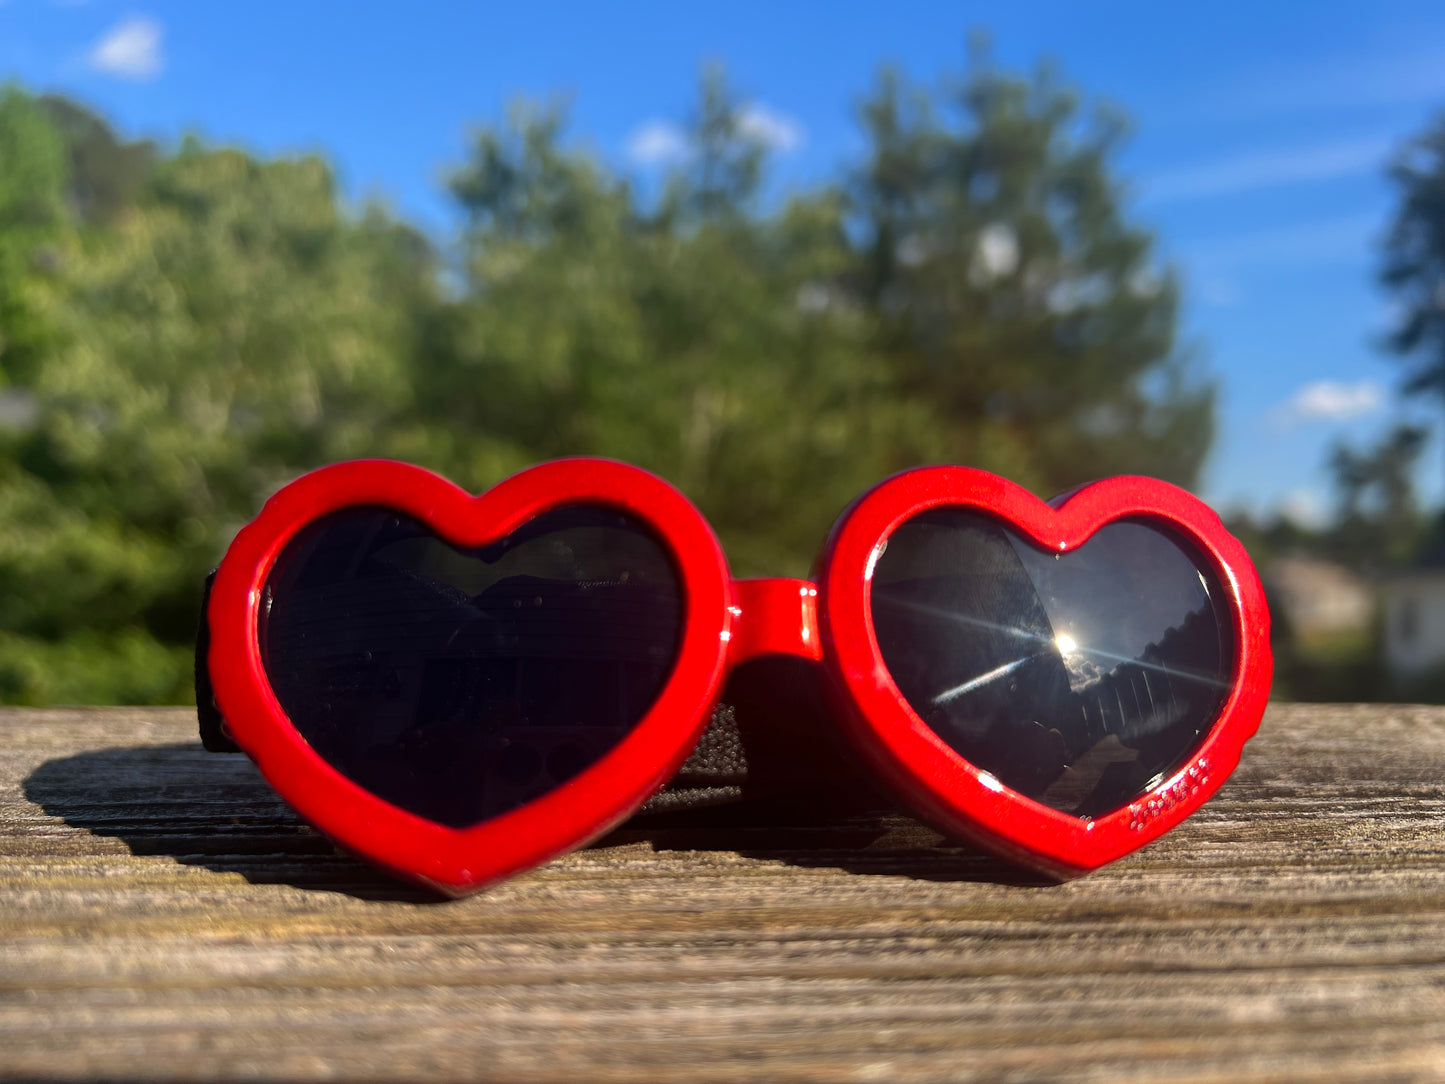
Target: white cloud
657 143
130 50
1270 169
1332 401
772 129
660 142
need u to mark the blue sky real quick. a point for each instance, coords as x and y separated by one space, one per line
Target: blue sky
1261 132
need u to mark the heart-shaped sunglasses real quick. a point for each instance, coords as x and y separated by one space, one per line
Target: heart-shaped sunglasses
459 688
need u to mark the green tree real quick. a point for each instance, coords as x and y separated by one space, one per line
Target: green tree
105 172
696 339
182 330
1011 291
1414 264
32 225
231 328
1379 519
998 311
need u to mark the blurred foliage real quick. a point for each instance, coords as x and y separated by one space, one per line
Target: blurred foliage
1414 267
183 330
1379 523
1378 531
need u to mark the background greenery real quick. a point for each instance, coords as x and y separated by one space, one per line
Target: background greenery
184 329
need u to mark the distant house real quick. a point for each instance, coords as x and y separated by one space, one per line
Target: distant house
1316 598
1414 618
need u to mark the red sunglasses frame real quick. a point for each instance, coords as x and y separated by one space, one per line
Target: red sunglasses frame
725 622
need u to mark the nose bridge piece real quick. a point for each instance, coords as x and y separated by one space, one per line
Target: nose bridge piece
774 617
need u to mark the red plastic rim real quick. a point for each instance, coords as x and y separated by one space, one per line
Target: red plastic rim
935 780
462 860
725 623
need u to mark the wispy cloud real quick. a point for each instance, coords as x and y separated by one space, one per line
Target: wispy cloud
1268 169
1219 292
1402 75
1330 401
655 143
1324 241
660 142
130 50
772 129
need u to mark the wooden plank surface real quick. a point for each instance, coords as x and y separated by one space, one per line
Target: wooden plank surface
163 914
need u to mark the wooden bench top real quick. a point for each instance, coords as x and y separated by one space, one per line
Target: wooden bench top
162 913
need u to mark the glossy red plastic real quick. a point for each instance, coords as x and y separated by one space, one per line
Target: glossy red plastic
725 622
941 785
460 860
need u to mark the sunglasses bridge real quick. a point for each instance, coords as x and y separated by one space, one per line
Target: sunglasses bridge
776 616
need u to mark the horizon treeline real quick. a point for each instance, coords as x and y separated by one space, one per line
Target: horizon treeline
184 329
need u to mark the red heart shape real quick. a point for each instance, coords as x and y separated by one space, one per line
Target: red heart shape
461 860
931 776
939 783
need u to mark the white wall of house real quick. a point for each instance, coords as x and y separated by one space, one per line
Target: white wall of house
1414 623
1319 596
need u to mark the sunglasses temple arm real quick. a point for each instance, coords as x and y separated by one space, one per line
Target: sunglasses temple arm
214 735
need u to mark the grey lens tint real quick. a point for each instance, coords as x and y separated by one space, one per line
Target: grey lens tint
461 683
1079 680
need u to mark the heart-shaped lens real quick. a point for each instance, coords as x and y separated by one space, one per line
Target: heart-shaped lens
1079 679
457 683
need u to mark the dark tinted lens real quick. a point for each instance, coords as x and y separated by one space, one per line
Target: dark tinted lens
458 684
1079 680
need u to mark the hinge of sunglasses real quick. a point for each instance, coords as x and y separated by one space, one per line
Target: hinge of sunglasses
774 617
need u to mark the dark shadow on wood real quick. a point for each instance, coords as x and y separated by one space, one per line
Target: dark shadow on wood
203 809
215 811
824 831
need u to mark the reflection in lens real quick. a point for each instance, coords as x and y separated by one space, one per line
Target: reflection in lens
460 683
1079 680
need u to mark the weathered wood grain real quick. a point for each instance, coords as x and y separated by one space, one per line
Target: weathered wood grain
163 914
